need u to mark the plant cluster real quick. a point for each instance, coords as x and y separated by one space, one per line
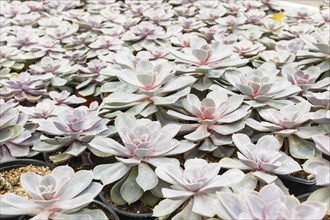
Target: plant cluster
195 108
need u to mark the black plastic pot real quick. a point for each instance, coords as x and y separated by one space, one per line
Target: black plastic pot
327 157
303 197
124 215
298 186
20 163
39 156
106 209
24 162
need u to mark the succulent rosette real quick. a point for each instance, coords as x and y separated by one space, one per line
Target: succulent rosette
24 87
261 87
269 203
72 129
231 23
146 145
42 111
88 79
292 46
144 33
103 45
316 49
278 57
321 101
15 140
64 98
149 87
246 48
264 158
319 168
291 122
286 121
47 47
322 143
206 61
192 188
9 57
306 79
213 119
56 71
62 194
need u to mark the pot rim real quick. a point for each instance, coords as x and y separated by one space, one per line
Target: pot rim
122 212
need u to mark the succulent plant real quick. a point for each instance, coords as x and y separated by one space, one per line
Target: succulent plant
13 9
271 26
159 16
215 117
15 140
72 129
192 188
78 56
305 79
261 86
64 98
5 73
253 16
62 194
264 158
231 23
116 31
316 49
247 48
322 143
320 168
80 41
42 111
24 87
292 46
201 54
145 143
22 39
154 52
189 24
319 99
104 44
234 9
206 61
9 118
89 78
9 57
48 47
285 121
144 33
225 39
55 70
64 30
301 15
182 40
321 116
291 122
278 57
210 15
269 203
147 87
19 146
